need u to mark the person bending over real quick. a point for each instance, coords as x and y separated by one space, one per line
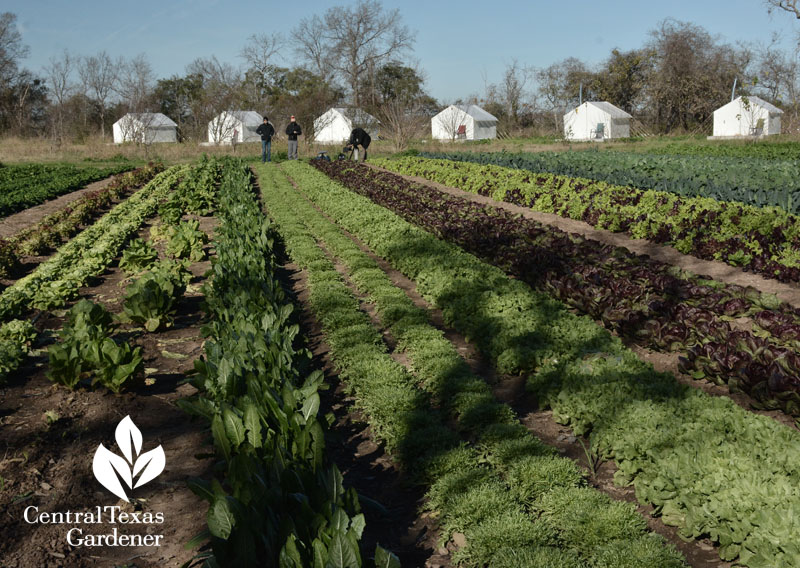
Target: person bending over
359 137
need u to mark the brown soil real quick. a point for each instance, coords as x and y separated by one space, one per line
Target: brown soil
48 463
717 270
15 223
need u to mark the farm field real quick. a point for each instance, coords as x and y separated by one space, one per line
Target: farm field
346 366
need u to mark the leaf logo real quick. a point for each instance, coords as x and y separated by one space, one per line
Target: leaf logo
109 468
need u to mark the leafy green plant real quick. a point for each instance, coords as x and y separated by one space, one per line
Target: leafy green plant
87 254
9 258
16 338
87 352
263 413
139 256
151 299
186 240
28 185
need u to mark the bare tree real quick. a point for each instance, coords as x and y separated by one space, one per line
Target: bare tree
779 81
135 83
452 120
401 121
59 79
512 89
260 53
261 50
552 87
790 6
221 91
691 75
98 74
353 42
12 50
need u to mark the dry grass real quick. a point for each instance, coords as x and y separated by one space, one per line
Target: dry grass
20 150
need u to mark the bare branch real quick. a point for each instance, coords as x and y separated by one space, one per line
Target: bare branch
790 6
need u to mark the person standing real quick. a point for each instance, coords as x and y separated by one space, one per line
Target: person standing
266 130
293 131
359 137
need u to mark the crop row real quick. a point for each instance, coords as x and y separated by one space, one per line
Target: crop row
58 279
763 150
508 519
644 300
275 499
29 185
747 180
57 227
706 465
764 240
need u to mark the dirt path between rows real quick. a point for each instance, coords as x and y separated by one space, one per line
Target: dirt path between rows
49 434
511 390
13 224
789 293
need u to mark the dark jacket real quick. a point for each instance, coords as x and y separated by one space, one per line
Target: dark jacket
292 130
266 131
360 137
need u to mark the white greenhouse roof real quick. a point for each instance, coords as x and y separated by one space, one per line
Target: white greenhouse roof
152 119
477 113
613 111
758 101
356 115
246 116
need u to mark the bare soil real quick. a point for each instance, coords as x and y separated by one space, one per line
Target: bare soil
11 225
50 434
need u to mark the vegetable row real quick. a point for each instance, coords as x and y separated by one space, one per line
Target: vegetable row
705 464
88 254
644 300
275 499
54 229
58 279
24 186
764 240
764 150
479 489
751 181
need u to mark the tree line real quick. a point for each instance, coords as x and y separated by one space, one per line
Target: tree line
361 56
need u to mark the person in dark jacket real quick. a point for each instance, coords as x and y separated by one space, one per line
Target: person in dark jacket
267 131
293 131
359 137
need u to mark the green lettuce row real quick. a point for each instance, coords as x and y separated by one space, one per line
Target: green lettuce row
28 185
765 239
763 150
88 254
708 466
747 180
59 226
275 500
499 493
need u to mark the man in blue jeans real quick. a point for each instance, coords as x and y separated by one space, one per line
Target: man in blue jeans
266 130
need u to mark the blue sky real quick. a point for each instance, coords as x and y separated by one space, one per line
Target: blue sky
459 45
